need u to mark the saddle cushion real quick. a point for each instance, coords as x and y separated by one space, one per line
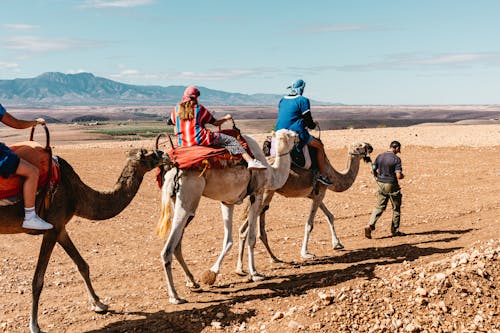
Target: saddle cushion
207 156
34 153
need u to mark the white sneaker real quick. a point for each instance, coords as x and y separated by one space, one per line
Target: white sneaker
36 223
255 164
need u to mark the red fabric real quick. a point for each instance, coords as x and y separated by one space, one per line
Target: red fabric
191 93
191 132
34 153
206 156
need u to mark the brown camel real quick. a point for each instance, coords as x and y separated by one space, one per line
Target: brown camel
74 198
301 184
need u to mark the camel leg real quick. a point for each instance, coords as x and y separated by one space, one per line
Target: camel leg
304 253
242 236
67 244
331 218
256 202
190 282
173 240
227 217
186 201
48 243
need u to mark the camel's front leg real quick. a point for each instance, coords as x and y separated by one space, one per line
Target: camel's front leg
256 202
48 243
335 241
209 277
65 241
304 253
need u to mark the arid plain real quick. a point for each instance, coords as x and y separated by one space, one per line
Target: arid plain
442 277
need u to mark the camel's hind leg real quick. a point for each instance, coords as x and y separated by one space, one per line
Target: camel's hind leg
65 241
190 282
48 243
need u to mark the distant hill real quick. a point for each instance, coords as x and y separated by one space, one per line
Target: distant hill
55 88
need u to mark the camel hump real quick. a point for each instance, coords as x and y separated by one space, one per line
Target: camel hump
35 154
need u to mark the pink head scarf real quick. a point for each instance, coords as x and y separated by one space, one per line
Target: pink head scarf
191 93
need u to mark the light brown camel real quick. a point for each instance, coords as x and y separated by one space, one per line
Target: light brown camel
301 184
74 198
183 189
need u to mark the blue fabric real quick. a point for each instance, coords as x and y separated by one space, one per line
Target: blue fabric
2 111
9 161
297 88
291 111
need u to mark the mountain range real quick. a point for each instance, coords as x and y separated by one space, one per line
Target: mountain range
59 89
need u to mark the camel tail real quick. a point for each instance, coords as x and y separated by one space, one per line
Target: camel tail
167 209
163 227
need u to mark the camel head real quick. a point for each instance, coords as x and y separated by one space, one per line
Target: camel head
285 140
362 150
148 159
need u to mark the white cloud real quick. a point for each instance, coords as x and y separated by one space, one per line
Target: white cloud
116 3
213 75
38 44
76 71
19 26
8 65
412 61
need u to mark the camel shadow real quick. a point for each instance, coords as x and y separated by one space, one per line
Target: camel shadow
197 320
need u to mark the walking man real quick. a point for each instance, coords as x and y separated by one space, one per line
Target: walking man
387 170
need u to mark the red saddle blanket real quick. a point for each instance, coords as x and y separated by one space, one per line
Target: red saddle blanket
203 157
34 153
207 156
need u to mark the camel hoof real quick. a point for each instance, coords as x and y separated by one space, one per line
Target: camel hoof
257 277
192 285
338 246
307 256
208 277
240 272
176 300
99 307
276 261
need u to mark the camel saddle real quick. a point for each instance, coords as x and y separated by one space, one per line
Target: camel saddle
33 152
204 157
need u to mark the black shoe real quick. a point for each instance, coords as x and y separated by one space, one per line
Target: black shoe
324 180
368 231
398 234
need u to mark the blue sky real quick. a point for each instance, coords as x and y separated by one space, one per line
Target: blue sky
347 51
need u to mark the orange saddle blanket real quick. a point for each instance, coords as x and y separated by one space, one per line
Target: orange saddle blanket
34 153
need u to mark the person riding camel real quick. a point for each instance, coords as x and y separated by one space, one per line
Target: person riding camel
189 118
11 164
294 113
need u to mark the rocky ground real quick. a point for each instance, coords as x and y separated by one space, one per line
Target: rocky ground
442 277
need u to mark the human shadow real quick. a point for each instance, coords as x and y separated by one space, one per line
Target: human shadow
363 263
431 232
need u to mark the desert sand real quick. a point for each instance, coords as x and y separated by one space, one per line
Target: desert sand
442 277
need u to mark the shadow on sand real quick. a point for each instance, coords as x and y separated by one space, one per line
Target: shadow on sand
363 263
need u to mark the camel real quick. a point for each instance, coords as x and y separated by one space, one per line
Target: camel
301 184
183 189
74 198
